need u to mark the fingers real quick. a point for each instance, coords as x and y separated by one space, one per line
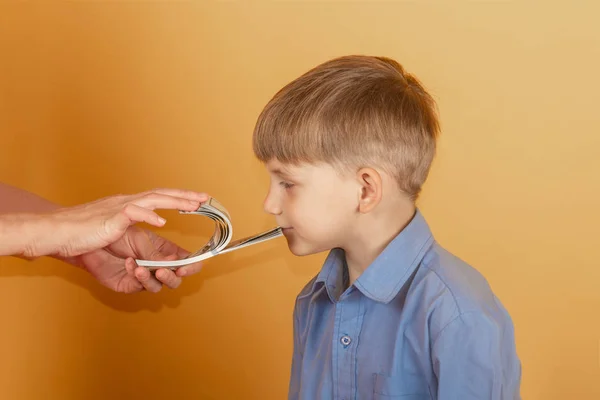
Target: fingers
182 193
146 244
189 269
173 252
134 213
149 282
140 207
115 227
168 278
154 283
155 200
196 197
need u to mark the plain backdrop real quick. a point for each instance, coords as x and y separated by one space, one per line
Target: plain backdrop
100 98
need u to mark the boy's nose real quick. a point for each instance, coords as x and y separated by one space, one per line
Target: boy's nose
271 205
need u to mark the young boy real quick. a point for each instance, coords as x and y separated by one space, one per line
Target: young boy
391 314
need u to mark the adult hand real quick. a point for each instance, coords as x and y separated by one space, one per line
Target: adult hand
114 265
101 237
91 226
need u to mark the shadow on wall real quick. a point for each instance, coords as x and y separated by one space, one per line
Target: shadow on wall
212 268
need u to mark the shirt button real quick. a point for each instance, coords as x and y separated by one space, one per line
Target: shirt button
345 340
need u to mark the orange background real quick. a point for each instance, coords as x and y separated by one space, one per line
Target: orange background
107 97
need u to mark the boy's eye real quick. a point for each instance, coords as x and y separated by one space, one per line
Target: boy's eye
286 185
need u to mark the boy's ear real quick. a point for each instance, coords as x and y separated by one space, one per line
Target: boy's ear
371 189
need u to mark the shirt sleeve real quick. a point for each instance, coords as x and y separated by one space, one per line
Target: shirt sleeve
295 378
474 358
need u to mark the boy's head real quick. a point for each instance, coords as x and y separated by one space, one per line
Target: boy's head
335 138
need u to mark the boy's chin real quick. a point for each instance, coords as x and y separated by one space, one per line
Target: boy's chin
301 252
302 249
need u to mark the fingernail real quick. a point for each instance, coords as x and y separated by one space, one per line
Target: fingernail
162 220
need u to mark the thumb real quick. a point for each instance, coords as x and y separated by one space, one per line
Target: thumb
130 214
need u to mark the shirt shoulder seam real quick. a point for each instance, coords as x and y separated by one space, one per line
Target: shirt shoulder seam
459 316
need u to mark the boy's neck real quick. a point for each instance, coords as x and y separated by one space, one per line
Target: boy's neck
372 238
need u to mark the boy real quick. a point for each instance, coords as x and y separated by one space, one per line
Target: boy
392 314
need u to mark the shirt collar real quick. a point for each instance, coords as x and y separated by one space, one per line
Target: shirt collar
386 275
334 274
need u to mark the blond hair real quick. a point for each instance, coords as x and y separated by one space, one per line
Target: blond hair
352 112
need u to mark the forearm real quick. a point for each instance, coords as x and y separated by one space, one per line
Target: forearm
19 233
26 226
15 200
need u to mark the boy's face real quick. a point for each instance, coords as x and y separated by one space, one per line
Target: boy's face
314 204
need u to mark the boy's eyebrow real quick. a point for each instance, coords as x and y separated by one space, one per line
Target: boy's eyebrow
280 172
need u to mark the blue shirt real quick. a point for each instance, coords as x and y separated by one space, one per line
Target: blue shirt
419 323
